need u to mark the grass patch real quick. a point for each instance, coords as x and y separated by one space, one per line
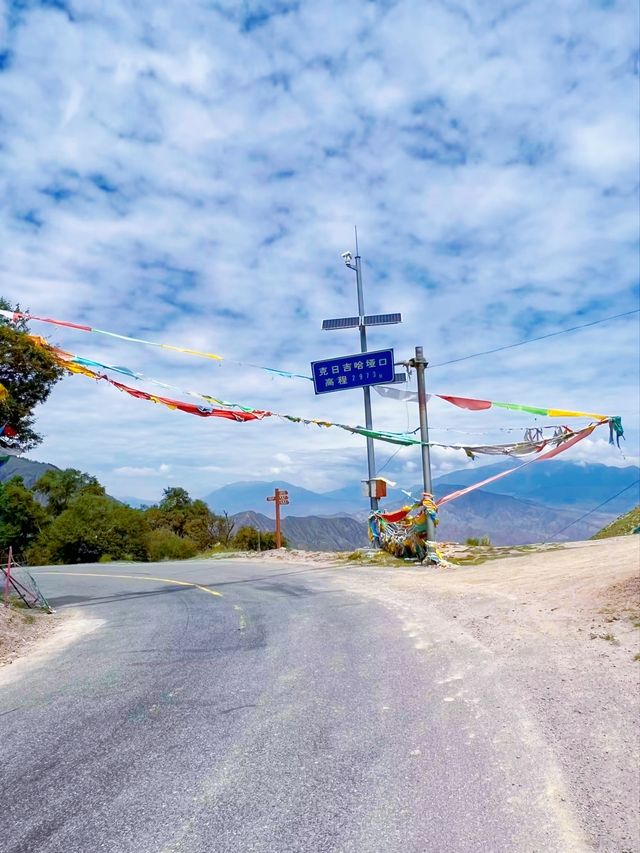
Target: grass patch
608 637
624 525
471 560
377 558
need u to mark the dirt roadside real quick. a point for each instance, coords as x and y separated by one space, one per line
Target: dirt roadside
20 629
26 645
562 630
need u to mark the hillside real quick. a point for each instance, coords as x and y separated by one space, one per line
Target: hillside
556 483
505 520
623 526
337 519
312 533
29 470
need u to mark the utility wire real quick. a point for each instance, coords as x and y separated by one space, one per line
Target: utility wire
576 520
390 459
532 340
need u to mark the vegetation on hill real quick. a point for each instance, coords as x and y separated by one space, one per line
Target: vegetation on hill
67 517
622 526
27 375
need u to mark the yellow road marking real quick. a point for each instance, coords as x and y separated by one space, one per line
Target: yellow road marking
136 578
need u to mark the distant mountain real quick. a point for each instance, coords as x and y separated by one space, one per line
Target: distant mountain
505 520
136 503
556 483
252 495
531 506
510 521
311 533
29 470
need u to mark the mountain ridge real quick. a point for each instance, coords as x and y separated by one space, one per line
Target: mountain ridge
337 519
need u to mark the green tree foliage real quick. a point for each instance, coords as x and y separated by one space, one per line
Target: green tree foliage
251 539
91 526
202 526
61 487
163 544
68 518
187 518
22 518
175 507
28 373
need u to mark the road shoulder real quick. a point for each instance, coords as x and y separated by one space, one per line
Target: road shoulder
28 644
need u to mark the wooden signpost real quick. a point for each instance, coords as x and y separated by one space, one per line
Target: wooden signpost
280 498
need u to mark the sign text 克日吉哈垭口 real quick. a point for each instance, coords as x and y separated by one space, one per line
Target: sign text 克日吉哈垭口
353 371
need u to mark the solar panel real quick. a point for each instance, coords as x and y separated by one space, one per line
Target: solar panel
400 377
382 319
341 323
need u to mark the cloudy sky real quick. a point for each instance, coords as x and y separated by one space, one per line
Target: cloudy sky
190 172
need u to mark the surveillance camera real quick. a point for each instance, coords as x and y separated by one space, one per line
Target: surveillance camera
346 257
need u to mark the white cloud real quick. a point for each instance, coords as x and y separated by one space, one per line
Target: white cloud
196 182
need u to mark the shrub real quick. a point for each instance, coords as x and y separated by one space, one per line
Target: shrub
251 539
163 544
93 525
473 540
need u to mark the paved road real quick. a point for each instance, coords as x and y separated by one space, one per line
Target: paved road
286 713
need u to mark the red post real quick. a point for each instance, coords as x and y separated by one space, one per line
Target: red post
7 578
278 531
280 498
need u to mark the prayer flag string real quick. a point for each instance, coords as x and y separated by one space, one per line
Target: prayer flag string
15 316
535 443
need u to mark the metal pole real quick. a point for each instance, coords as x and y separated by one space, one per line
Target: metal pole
420 365
368 419
278 534
7 578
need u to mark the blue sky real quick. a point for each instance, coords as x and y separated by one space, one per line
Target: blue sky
191 172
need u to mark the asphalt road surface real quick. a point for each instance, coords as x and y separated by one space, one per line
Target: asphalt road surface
267 708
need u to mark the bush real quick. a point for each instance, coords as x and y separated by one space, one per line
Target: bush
163 544
251 539
484 540
93 525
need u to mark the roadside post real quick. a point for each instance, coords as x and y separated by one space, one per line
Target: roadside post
7 577
420 363
279 498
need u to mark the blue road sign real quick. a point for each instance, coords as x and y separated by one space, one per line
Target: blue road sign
353 371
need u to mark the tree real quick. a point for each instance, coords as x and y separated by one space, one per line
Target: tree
202 525
22 518
61 487
187 518
28 373
175 506
251 539
91 527
226 527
